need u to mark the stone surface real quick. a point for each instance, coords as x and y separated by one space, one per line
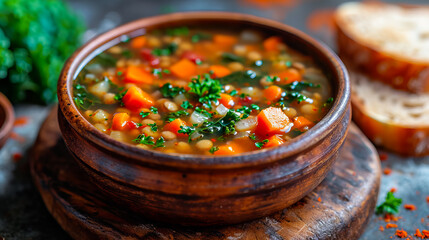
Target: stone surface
22 213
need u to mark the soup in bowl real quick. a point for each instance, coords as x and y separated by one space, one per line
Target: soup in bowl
185 121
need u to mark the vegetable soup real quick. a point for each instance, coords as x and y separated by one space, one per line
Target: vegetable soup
194 91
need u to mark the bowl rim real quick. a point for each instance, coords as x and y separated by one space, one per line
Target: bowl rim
9 118
262 156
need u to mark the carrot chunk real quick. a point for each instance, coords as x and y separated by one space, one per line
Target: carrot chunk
300 122
137 75
174 127
135 98
226 100
184 68
271 121
273 93
289 76
227 149
274 141
119 121
272 43
219 71
223 40
138 42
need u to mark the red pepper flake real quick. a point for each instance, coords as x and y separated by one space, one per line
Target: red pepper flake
381 228
383 156
391 225
422 220
213 140
393 190
17 137
319 199
387 171
401 233
20 121
410 207
418 233
390 217
425 233
16 157
427 199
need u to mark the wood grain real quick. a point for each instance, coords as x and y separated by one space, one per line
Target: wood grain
347 199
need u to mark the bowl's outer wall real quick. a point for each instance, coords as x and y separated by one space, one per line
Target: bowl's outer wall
7 116
196 190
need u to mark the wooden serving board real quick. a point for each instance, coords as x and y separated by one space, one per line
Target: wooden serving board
339 208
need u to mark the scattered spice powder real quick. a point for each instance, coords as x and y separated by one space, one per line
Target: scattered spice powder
17 137
427 199
401 233
423 220
381 228
387 171
391 225
393 190
418 233
390 217
410 207
319 199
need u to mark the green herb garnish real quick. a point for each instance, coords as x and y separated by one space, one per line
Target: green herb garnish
179 31
82 98
200 36
208 90
144 114
159 72
154 110
261 144
241 78
390 205
213 150
186 105
167 51
159 143
172 116
229 57
168 91
204 112
153 127
233 93
252 136
328 102
143 139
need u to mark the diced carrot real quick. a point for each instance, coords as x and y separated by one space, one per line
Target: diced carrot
228 149
272 43
274 141
219 71
120 121
289 76
271 121
174 127
135 74
226 100
243 144
135 98
300 122
223 40
138 42
184 68
273 93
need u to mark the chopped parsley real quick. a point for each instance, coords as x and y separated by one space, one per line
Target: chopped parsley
168 91
143 139
186 105
222 126
293 91
242 78
159 72
179 31
213 150
144 114
200 36
390 205
203 111
261 144
252 136
154 110
159 143
118 97
167 51
172 116
328 102
82 98
208 90
233 93
153 127
127 53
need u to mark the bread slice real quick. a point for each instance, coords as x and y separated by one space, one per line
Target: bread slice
396 120
387 42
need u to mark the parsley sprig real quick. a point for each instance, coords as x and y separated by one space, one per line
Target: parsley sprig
169 91
148 140
390 205
207 89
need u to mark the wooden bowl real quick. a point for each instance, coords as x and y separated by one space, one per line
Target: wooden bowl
7 117
206 190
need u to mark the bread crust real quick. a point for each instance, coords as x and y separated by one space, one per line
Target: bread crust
406 140
394 70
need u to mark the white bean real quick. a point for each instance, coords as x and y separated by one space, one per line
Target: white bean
204 145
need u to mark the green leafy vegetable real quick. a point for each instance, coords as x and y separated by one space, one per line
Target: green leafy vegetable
261 144
208 90
203 111
222 126
169 50
82 98
293 91
241 78
168 91
153 127
171 116
186 105
213 150
390 205
36 37
200 36
179 31
229 57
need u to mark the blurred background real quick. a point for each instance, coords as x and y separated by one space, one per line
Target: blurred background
36 37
